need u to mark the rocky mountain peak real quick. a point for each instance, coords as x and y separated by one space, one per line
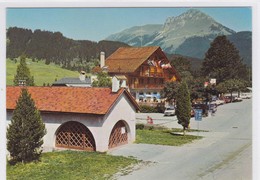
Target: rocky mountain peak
189 33
194 12
193 22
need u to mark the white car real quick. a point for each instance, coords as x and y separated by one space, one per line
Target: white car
245 95
220 102
169 111
237 99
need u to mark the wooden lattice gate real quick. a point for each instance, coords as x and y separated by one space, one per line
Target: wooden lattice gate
74 135
118 135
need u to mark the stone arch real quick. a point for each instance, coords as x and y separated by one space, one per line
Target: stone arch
75 135
119 134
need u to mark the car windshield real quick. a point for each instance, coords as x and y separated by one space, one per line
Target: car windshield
170 108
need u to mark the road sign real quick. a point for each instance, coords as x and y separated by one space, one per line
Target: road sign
198 114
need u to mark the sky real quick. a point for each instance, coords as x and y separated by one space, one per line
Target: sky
98 23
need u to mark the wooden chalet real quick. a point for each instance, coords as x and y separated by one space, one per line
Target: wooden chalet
146 70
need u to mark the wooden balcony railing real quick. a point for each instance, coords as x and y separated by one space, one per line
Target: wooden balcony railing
146 86
151 74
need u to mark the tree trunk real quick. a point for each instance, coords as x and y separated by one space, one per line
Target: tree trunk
184 131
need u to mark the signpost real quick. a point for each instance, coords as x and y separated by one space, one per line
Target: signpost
198 117
198 114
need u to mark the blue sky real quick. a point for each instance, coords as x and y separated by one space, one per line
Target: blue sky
97 23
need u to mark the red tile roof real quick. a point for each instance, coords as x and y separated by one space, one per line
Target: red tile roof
69 99
128 59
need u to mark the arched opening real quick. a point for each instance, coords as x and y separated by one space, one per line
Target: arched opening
74 135
119 135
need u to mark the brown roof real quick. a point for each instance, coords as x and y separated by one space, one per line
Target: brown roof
121 77
69 99
128 59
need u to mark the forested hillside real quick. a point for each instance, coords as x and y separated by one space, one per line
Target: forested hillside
54 47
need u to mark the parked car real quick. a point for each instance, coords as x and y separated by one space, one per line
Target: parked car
227 99
245 95
237 99
169 111
220 102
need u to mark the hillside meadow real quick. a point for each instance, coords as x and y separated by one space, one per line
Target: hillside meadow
42 73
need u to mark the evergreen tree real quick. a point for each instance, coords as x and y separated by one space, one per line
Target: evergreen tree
25 133
183 106
169 91
103 80
23 73
222 61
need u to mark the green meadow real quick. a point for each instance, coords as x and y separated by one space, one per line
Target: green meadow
42 73
67 165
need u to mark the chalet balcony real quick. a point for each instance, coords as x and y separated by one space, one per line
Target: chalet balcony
146 86
150 74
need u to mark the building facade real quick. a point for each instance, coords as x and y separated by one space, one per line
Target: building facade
82 81
147 69
91 119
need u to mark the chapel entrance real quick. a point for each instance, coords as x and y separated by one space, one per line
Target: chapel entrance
118 135
74 135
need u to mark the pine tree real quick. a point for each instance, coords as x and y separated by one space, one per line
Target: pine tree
25 133
222 61
23 73
183 106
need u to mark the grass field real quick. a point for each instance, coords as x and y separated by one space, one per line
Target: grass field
163 137
67 165
42 73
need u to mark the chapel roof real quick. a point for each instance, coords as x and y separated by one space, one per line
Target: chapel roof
70 99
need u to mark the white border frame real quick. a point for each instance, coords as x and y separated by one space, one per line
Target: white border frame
254 4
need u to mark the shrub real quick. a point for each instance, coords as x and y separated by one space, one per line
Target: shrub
147 109
160 108
139 126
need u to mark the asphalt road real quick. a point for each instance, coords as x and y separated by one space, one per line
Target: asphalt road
224 153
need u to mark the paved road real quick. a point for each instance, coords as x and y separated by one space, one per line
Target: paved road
224 153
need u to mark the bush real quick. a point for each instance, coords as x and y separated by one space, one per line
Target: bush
139 126
150 127
160 108
147 109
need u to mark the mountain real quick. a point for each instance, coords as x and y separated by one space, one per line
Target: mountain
188 34
174 31
136 35
195 63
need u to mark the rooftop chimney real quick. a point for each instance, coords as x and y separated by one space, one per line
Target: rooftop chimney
118 82
115 84
82 75
102 59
